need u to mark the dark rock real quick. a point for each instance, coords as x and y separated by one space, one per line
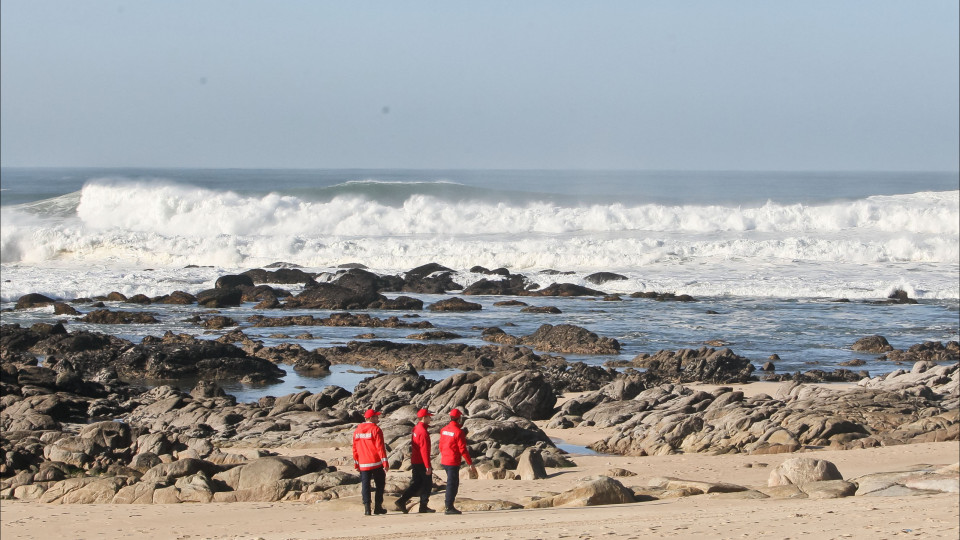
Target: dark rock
286 276
218 322
599 278
365 282
400 303
139 299
336 319
430 278
541 309
259 293
566 289
217 298
33 300
105 316
900 296
59 308
512 285
664 297
388 355
176 297
570 339
872 344
231 281
930 351
330 296
435 335
853 363
455 304
702 365
180 356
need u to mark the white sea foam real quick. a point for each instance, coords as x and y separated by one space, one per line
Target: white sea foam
853 248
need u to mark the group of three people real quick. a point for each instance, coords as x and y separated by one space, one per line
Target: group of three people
370 458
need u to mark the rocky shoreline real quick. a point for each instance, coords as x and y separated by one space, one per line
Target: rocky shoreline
73 432
89 417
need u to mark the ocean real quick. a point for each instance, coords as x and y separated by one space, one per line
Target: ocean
766 254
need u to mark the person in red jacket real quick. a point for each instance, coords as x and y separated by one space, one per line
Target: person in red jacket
453 447
370 458
421 468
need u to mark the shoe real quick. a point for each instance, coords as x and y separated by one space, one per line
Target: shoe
451 511
379 510
424 509
401 506
366 509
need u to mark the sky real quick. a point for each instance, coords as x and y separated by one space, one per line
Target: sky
654 84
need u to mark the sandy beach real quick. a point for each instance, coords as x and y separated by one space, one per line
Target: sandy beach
704 516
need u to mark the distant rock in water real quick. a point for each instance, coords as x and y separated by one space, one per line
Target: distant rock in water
930 351
872 344
230 281
541 309
176 297
566 289
455 304
900 296
430 278
330 296
600 278
33 300
217 298
568 338
105 316
664 297
285 275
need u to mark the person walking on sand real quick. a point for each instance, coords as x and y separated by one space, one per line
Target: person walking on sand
453 447
420 461
370 458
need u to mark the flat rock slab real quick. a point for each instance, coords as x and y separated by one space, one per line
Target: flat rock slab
829 489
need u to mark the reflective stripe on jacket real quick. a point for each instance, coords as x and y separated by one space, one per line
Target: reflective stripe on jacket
368 450
453 445
420 445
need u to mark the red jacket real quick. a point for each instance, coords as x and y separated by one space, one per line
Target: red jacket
368 450
420 446
453 445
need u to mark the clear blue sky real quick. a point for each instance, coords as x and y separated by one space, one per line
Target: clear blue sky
868 85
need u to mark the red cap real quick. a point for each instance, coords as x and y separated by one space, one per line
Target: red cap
371 413
455 413
423 412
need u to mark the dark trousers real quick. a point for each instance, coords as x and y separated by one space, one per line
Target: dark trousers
379 477
420 487
453 484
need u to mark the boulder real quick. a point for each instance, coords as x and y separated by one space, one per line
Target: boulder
801 471
530 465
526 392
259 472
592 492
